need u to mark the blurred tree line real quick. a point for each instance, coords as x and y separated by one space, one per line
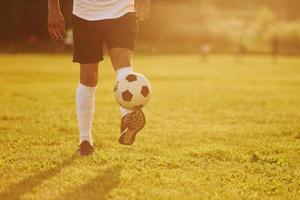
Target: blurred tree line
251 26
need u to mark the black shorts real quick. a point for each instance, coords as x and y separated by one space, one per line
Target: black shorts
89 36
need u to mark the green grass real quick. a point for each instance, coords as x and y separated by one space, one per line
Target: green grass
224 129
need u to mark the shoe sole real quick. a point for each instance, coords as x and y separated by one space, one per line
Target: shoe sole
132 133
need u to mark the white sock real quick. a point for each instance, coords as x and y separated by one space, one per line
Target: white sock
85 107
119 74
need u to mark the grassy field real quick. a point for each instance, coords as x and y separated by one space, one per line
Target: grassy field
224 129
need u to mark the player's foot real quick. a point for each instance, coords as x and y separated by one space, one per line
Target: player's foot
85 149
131 124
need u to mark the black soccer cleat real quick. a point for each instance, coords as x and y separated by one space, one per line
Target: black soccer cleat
85 149
131 124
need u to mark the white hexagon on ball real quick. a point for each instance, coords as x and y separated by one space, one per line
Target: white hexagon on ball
132 91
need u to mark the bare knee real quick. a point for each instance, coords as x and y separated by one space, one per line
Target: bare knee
120 57
89 74
123 60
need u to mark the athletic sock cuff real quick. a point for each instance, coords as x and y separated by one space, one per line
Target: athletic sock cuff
123 72
86 90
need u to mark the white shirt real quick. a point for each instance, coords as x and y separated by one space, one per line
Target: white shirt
102 9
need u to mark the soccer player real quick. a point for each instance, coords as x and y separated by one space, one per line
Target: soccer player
95 22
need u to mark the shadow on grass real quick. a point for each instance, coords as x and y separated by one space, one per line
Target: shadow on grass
16 190
97 187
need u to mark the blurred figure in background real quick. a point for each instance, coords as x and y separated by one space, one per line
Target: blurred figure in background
241 49
242 45
69 40
275 46
205 50
32 42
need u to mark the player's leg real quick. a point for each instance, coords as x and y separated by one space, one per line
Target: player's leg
89 74
85 105
121 59
131 121
88 41
121 40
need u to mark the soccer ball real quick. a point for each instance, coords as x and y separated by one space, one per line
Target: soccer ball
132 91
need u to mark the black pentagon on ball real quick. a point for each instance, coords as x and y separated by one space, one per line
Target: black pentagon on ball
126 95
145 91
131 77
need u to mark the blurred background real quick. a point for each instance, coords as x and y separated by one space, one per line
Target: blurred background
175 26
